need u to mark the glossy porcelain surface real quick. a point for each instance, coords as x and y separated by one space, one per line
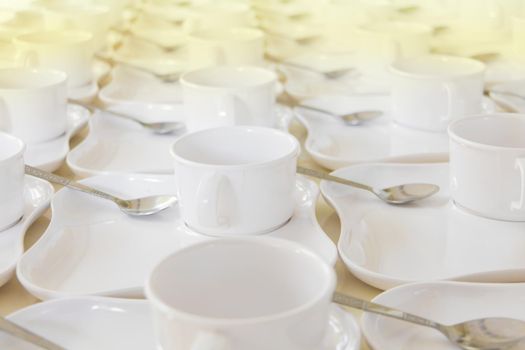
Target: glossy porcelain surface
428 92
444 302
33 103
285 305
36 196
11 180
88 237
487 165
432 239
227 96
108 323
114 145
49 155
333 145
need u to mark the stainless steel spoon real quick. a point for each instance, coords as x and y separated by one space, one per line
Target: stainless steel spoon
137 207
494 333
26 335
160 128
352 119
401 194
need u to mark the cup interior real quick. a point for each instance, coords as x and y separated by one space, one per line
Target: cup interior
10 146
240 279
498 130
235 146
229 77
24 79
437 66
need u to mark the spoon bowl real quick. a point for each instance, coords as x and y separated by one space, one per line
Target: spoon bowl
135 207
490 333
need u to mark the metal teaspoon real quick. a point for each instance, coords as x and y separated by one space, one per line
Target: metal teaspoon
491 333
400 194
136 207
160 128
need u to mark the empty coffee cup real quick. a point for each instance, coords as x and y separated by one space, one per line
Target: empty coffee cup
236 180
487 165
229 95
226 46
259 293
428 92
11 180
33 103
68 51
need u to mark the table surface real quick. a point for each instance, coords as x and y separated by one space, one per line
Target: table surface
13 296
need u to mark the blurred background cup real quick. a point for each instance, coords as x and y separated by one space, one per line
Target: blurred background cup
487 165
33 103
236 180
95 19
11 180
518 36
219 15
235 294
226 46
68 51
381 43
229 95
428 92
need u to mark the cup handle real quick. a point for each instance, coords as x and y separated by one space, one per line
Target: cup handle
210 341
520 204
451 97
28 59
5 121
216 202
227 110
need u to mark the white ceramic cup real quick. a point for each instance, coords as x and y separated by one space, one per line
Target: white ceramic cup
33 103
518 36
11 180
430 91
226 46
236 294
227 95
218 15
69 51
487 165
381 43
92 18
236 180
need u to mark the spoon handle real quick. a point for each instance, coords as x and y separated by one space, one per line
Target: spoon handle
26 335
315 109
92 108
29 170
325 176
360 304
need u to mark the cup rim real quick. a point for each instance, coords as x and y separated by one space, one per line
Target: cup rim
459 139
268 241
260 129
57 73
19 142
185 82
395 68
